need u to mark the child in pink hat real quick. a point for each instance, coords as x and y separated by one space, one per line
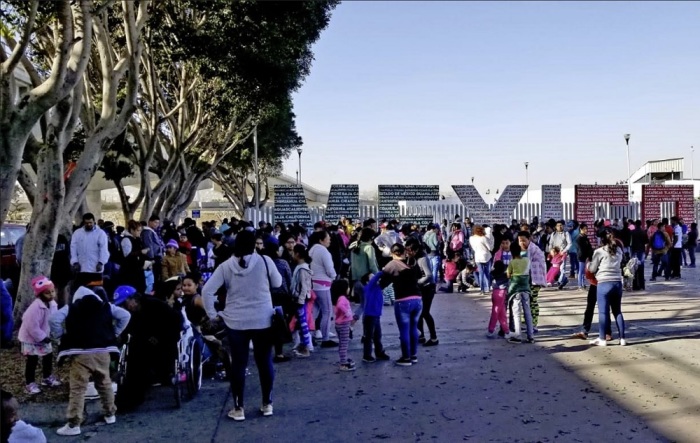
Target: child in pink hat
34 335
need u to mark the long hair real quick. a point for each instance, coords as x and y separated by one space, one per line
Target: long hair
245 245
608 240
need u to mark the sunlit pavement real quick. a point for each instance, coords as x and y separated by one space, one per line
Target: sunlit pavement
469 388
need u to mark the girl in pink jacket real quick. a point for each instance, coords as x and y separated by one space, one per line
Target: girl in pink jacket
34 335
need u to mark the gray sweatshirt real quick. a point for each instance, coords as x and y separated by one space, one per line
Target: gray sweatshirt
605 266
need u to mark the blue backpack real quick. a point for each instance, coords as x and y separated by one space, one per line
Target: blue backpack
658 242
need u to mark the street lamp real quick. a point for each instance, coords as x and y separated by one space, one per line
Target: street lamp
629 173
527 183
692 172
299 152
472 181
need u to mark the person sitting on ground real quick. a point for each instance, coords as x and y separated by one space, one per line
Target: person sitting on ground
14 430
88 328
174 262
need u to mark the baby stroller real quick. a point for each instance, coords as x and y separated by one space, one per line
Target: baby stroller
187 374
629 272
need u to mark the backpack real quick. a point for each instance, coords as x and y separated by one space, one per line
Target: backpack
457 241
658 242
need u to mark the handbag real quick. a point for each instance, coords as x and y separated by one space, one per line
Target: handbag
280 329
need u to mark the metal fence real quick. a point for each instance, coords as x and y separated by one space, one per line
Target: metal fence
441 211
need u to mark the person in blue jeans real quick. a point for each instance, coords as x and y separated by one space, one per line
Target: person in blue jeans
605 265
432 241
408 304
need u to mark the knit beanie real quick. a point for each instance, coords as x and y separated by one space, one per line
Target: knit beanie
41 284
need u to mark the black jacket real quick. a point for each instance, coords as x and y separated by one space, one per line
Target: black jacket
585 250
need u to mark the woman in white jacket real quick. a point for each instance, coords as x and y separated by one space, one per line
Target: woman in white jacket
323 275
481 242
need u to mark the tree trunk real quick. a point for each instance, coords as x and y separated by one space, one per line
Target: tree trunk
12 141
40 242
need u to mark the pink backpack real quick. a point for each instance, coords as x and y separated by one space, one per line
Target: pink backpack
457 241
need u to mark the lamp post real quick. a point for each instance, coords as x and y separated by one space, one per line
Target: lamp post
527 183
299 152
629 173
472 181
692 171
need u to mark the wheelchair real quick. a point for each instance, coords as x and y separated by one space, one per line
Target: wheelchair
187 373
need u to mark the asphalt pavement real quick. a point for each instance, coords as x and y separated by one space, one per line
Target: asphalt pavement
468 388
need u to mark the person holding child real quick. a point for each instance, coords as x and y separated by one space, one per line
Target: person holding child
408 304
34 335
556 258
605 265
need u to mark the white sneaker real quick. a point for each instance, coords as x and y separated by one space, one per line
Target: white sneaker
91 392
331 335
318 335
598 342
32 389
623 342
237 414
266 410
68 430
110 419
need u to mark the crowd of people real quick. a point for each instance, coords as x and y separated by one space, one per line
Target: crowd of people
274 284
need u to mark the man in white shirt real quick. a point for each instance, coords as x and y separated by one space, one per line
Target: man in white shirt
89 250
677 249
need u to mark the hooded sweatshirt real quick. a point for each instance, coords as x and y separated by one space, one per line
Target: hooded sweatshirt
88 325
248 298
301 283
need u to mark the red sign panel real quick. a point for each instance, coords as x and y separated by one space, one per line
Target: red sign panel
588 195
681 196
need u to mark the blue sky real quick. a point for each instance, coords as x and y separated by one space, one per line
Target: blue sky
438 92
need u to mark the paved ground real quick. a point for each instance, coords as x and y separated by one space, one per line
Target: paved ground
468 388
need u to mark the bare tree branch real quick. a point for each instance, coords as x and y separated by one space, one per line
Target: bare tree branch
18 51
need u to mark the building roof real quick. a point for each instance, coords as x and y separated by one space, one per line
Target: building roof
658 167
